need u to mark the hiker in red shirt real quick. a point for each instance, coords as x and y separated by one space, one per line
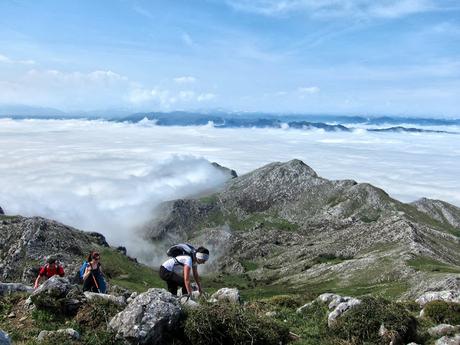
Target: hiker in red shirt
51 268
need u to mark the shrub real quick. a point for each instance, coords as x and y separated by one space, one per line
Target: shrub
225 323
443 312
362 323
283 301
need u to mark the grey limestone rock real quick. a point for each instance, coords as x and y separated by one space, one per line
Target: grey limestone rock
447 296
442 330
68 332
57 293
9 288
117 300
149 319
439 210
341 309
455 340
231 295
4 338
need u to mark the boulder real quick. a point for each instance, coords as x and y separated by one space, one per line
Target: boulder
93 296
231 295
69 333
9 288
57 293
442 330
327 297
4 338
341 309
446 296
304 307
151 318
455 340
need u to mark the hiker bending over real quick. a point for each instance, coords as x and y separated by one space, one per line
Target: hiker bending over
176 271
93 279
51 268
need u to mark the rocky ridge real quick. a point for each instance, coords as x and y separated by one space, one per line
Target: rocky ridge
294 228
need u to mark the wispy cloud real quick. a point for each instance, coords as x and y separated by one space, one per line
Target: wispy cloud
8 60
166 98
187 39
340 8
309 90
185 80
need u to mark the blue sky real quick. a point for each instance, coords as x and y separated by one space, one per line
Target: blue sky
388 57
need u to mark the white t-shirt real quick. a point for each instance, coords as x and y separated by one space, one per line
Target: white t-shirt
172 266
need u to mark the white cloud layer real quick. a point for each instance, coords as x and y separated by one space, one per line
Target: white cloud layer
6 59
108 177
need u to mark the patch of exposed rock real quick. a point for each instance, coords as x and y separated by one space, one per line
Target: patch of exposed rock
69 333
24 242
231 295
446 296
149 319
439 210
10 288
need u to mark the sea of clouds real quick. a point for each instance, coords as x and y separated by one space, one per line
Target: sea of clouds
108 176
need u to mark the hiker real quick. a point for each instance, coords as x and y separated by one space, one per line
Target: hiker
93 278
176 270
51 268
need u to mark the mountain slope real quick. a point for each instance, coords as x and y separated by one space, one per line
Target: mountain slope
282 224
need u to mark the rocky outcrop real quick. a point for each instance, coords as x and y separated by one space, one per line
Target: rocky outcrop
148 319
338 305
455 340
24 242
1 211
231 295
10 288
446 296
442 211
443 330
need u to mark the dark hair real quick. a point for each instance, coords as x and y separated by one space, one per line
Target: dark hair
91 255
51 260
202 250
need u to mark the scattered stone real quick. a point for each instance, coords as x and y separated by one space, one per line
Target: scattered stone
446 296
327 297
120 291
22 319
149 319
69 332
441 330
11 315
94 296
9 288
188 302
4 338
231 295
304 307
455 340
271 313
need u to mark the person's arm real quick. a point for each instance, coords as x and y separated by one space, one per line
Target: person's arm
87 272
37 281
196 277
188 285
60 271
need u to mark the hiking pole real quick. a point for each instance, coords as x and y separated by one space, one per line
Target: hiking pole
95 282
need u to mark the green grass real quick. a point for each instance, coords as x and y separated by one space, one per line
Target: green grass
425 264
249 265
209 199
128 274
